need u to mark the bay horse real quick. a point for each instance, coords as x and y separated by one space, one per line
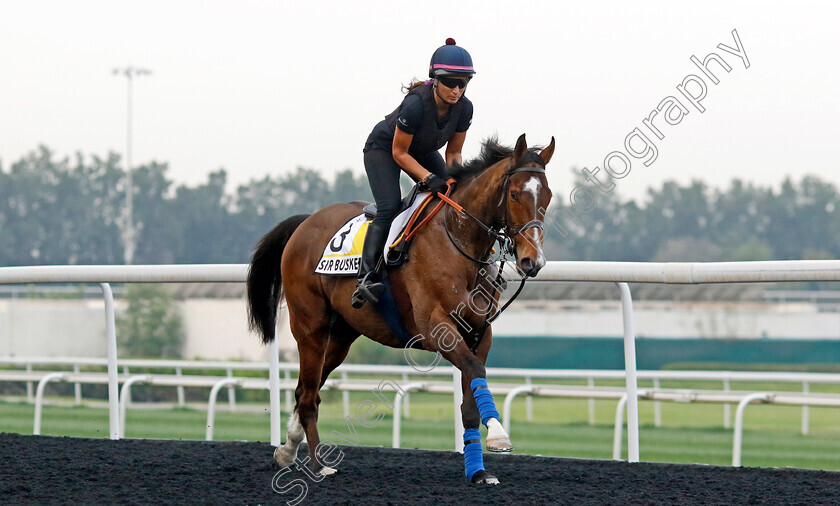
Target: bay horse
503 192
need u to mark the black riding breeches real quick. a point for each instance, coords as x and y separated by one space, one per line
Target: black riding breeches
384 176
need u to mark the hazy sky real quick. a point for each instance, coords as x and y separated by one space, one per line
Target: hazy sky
263 87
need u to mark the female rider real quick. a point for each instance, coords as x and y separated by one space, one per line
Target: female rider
433 113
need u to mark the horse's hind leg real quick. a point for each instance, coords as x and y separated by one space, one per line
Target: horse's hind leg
321 351
311 347
285 454
342 335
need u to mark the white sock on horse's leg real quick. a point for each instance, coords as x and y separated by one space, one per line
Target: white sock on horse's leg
285 455
497 439
495 429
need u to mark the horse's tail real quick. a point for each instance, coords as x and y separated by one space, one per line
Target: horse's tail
265 284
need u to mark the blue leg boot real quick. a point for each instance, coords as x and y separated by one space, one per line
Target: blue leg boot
474 460
497 438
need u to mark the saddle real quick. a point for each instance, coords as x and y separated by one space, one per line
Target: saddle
342 255
370 209
403 226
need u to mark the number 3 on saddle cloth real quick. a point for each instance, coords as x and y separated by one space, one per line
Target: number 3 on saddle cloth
343 253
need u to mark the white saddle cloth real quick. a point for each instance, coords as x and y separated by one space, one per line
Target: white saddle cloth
343 253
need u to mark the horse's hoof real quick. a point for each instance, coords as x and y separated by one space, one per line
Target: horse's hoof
283 457
499 445
483 477
326 471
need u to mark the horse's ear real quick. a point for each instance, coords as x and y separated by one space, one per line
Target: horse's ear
547 152
519 151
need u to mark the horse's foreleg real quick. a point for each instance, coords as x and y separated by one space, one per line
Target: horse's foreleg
473 458
497 439
477 407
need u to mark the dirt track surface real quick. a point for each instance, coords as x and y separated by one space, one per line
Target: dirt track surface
39 469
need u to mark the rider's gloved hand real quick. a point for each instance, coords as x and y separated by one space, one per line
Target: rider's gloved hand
433 184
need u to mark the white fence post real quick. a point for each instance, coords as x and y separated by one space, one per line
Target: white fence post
274 390
345 396
737 440
398 400
180 389
457 399
126 373
727 408
125 396
39 399
29 387
287 374
618 430
77 388
657 406
507 406
230 382
231 391
630 369
529 403
407 400
113 373
805 409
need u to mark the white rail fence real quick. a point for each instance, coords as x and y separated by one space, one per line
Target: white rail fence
216 383
495 373
617 272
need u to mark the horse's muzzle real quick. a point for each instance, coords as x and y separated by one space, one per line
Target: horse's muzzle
529 267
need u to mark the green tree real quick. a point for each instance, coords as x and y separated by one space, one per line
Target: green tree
158 229
70 211
207 232
346 188
150 327
750 249
687 249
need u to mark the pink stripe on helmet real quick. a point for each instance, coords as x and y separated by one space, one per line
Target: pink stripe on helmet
449 67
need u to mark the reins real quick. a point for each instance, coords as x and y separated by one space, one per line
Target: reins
502 235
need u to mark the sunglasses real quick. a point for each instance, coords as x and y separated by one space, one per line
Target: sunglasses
452 82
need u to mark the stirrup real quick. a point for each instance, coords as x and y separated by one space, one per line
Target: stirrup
367 291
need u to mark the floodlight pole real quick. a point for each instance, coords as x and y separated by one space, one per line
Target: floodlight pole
129 231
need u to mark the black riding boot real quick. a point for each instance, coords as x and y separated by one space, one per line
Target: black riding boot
368 286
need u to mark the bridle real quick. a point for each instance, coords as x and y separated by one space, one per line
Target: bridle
504 236
513 231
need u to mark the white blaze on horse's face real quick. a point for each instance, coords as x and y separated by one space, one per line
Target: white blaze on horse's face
529 201
533 187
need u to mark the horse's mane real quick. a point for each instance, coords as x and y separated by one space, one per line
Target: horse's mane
491 153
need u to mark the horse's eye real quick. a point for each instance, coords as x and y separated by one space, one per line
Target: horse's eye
514 195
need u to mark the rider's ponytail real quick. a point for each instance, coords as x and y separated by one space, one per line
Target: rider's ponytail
414 84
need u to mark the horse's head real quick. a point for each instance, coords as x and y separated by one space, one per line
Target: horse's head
525 197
